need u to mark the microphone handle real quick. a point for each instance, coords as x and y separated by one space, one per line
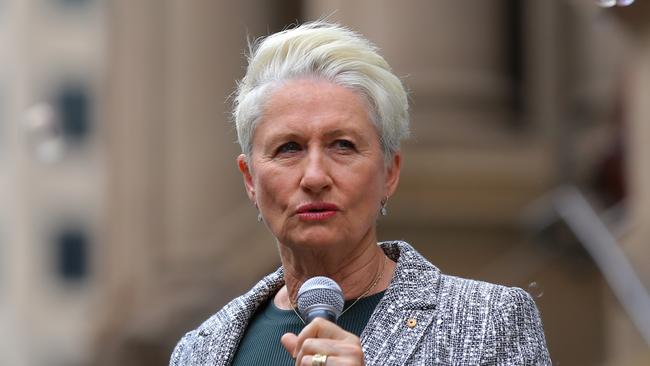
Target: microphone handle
320 313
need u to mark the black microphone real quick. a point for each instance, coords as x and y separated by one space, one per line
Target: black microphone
320 297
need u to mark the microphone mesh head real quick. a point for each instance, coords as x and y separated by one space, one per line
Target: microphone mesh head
320 290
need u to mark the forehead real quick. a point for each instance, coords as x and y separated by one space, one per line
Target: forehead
308 105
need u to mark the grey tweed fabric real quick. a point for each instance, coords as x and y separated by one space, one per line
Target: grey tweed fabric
424 318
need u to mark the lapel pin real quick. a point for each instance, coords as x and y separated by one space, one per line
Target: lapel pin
411 322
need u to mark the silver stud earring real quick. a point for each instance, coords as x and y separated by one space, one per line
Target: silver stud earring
383 211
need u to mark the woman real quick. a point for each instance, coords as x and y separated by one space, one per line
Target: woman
320 117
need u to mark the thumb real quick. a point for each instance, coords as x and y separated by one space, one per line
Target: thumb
289 342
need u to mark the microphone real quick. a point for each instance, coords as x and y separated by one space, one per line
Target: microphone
320 297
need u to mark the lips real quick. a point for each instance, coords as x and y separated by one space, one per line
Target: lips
316 211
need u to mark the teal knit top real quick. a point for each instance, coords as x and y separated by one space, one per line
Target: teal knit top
261 342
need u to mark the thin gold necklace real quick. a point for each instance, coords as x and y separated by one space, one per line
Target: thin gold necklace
374 283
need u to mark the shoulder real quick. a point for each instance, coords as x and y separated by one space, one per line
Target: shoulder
457 291
198 345
510 326
498 305
466 321
181 351
450 291
222 330
515 332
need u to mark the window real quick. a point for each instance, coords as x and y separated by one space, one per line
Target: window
72 102
71 253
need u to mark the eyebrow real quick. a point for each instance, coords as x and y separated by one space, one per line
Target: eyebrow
329 134
282 136
341 132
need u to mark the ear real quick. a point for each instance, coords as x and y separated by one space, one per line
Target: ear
392 174
244 168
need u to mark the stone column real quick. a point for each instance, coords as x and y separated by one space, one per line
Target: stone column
180 229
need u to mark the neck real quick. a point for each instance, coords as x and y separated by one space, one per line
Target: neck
354 270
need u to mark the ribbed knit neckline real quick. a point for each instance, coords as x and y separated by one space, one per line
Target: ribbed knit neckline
364 305
261 342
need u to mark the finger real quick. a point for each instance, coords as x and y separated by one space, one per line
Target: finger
331 361
312 346
307 361
331 347
321 328
349 349
289 342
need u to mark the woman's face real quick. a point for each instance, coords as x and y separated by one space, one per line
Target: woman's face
317 171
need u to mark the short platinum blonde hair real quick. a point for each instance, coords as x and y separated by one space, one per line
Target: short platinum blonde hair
324 51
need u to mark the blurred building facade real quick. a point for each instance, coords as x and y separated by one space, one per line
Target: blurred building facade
52 182
115 243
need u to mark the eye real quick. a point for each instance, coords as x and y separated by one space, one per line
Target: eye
288 147
344 145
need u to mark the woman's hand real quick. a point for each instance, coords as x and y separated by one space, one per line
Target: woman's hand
326 338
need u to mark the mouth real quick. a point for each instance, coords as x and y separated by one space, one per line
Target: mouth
316 211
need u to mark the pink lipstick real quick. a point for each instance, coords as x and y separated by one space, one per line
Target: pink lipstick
316 211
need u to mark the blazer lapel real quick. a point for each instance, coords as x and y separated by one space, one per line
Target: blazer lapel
406 311
229 326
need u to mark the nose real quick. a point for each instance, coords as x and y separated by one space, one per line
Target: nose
316 176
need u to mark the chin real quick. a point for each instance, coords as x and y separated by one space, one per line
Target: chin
316 240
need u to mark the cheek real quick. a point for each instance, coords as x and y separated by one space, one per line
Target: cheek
368 186
271 187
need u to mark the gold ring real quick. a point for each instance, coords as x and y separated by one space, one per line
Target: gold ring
318 360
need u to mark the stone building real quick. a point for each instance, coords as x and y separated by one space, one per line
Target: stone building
52 179
114 244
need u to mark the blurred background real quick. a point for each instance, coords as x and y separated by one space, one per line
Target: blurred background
124 223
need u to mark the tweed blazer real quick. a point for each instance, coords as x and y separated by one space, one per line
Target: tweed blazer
424 318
